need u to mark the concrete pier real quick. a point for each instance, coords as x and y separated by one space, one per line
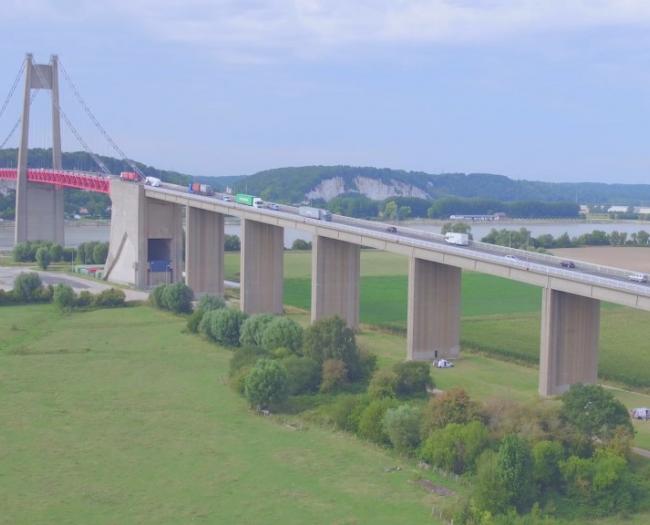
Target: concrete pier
569 341
204 238
262 267
335 280
433 328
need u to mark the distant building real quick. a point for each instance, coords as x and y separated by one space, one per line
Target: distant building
642 210
617 209
478 218
584 209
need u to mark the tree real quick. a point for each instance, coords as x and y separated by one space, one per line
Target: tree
232 243
383 384
456 448
43 258
177 297
371 421
266 383
303 373
489 492
332 339
390 210
402 426
100 252
412 378
253 328
334 375
301 244
455 227
452 406
547 456
28 287
282 332
64 297
594 411
56 252
515 462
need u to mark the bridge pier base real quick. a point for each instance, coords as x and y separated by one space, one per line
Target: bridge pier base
145 246
433 328
335 280
204 238
262 267
569 341
39 213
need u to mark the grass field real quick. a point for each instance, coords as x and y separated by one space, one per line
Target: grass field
115 416
500 317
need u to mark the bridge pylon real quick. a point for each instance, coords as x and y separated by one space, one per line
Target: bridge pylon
39 207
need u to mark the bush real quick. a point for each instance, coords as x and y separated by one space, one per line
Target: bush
28 288
56 252
547 456
456 448
332 339
253 329
346 412
303 374
334 375
211 302
232 243
100 252
109 298
300 244
245 357
371 421
64 297
194 320
413 378
452 406
6 298
177 298
43 258
367 363
382 384
595 411
282 332
489 493
84 299
156 296
266 383
515 470
402 426
223 325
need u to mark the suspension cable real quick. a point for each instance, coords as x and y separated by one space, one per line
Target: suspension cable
74 131
17 123
13 89
96 122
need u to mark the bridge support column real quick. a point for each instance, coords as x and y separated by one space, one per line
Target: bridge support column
145 246
569 341
204 237
262 267
335 280
433 327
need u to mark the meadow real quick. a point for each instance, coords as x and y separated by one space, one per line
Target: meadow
499 317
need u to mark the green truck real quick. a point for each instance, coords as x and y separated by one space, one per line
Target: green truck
249 200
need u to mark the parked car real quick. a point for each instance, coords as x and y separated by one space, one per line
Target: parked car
567 264
638 277
391 229
443 363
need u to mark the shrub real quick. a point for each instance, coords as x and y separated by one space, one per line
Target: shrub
109 298
489 493
211 302
456 448
402 426
413 378
43 258
547 456
194 320
382 384
84 299
346 412
156 296
515 470
100 252
232 243
266 383
6 298
301 244
367 363
334 375
28 288
223 325
64 297
303 373
22 252
371 421
253 329
282 332
56 252
594 411
332 339
177 297
452 406
244 357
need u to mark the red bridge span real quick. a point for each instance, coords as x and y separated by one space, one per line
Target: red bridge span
79 180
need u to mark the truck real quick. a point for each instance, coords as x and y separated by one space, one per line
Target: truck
314 213
130 176
249 200
460 239
200 189
152 181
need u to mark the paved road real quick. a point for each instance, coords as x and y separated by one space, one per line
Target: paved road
9 273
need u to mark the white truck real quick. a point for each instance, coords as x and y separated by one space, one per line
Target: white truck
315 213
461 239
152 181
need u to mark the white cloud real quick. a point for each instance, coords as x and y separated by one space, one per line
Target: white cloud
260 29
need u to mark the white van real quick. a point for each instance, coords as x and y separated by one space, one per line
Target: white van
638 277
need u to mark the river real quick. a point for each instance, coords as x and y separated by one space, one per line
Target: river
78 232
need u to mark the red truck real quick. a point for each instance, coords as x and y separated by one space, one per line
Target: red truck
130 176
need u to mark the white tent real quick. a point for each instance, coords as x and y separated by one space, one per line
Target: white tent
641 413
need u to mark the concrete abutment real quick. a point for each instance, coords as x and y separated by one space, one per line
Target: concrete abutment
204 243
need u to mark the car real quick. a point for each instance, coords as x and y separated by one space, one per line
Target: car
391 229
567 264
227 198
273 206
638 277
511 257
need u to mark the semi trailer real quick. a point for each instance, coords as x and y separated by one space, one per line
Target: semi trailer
315 213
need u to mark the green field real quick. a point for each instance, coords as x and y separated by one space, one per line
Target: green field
500 317
115 416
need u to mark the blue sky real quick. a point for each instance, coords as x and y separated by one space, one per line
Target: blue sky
547 90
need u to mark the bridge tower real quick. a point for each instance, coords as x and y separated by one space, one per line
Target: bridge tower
39 207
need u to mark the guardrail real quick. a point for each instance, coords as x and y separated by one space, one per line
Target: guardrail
547 265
